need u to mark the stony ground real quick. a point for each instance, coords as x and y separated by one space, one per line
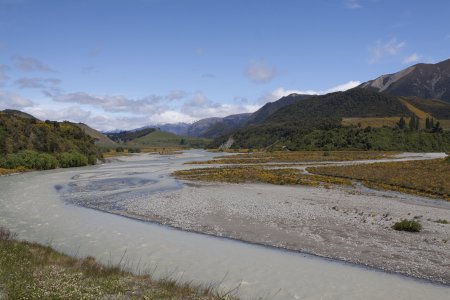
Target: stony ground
345 223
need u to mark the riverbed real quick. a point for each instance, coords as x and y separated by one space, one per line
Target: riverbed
54 207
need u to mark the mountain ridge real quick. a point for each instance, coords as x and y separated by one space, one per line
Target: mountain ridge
430 81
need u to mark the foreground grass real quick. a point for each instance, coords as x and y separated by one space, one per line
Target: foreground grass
254 174
31 271
426 177
297 156
13 171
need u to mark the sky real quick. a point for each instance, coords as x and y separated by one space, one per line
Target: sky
126 64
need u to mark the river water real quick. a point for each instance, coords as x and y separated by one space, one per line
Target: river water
39 206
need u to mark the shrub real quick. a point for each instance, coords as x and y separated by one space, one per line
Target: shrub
442 221
6 235
72 159
408 225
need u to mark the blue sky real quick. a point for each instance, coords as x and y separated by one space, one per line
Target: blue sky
126 64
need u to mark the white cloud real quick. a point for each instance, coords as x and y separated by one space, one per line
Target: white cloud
342 87
412 58
10 100
352 4
36 83
73 114
30 64
176 95
259 71
147 105
3 69
382 49
281 92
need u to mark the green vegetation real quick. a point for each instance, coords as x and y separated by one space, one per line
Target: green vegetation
296 157
126 136
31 271
426 177
44 161
29 143
159 138
407 225
442 221
318 123
257 174
101 140
437 108
341 138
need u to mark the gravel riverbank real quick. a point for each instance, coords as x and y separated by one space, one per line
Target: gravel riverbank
349 224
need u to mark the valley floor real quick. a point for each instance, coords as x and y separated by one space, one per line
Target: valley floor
347 223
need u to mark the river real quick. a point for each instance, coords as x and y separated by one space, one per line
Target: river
37 207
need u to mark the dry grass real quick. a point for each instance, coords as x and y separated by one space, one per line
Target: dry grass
373 122
445 124
31 271
418 112
297 157
427 177
258 175
13 171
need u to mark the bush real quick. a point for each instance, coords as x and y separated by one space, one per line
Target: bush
29 160
408 225
6 235
72 159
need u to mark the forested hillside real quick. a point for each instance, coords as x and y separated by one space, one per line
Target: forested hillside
316 123
28 142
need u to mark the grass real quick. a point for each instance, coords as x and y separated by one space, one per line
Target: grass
442 221
153 150
407 225
297 156
166 139
373 121
254 174
426 177
13 171
31 271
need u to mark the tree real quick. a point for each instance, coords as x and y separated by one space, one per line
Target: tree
427 123
437 128
412 123
401 123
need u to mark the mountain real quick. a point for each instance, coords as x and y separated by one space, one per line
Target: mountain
101 140
198 128
18 113
431 81
154 137
226 125
270 108
29 142
127 136
355 108
158 138
215 126
176 128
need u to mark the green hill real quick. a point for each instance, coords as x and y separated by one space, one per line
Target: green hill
101 140
158 138
318 123
28 142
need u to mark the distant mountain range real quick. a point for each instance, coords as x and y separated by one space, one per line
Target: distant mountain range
327 120
215 126
431 81
366 117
